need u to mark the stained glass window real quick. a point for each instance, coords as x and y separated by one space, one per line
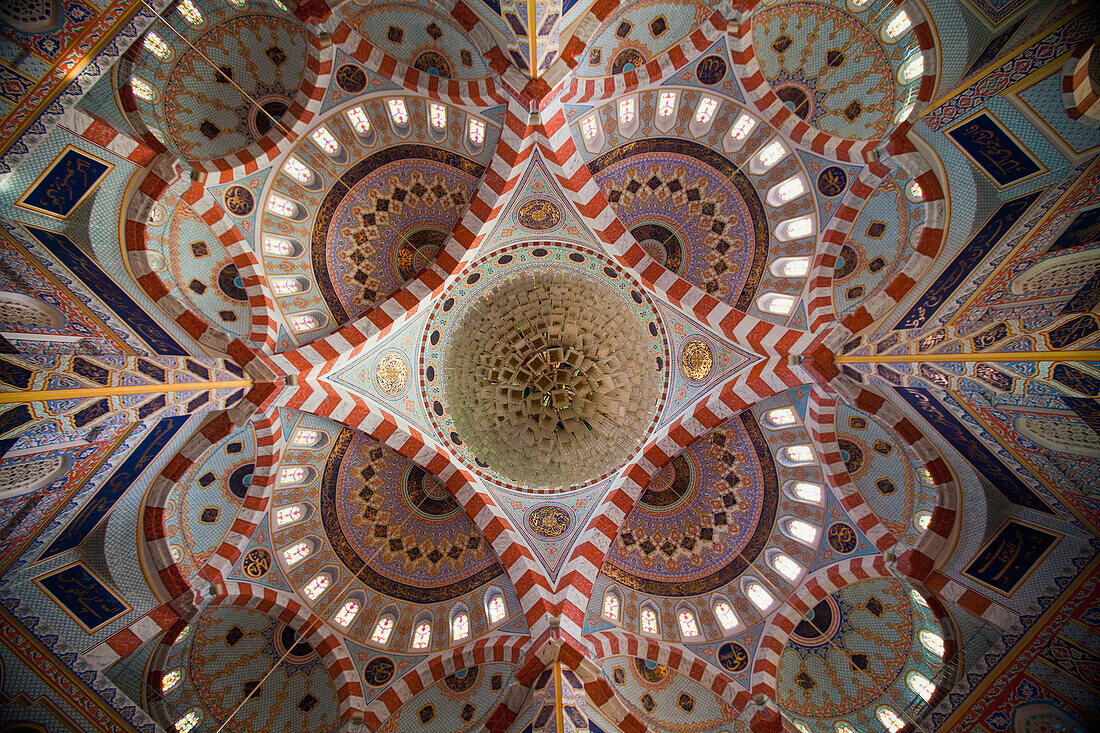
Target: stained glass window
802 531
296 553
183 634
802 727
279 4
303 323
611 606
898 25
932 642
285 285
912 69
497 609
142 88
159 135
742 127
918 598
304 438
398 112
921 685
707 105
175 552
843 728
288 514
347 614
238 3
422 636
292 475
170 680
790 189
649 621
382 630
798 453
922 519
437 113
688 627
780 417
780 305
796 267
787 567
190 13
589 127
325 141
808 492
297 170
276 204
760 598
477 131
359 120
188 721
725 615
904 113
277 246
772 153
460 627
157 46
316 587
803 226
915 191
666 104
626 110
889 719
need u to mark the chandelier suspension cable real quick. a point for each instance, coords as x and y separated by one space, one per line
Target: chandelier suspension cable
282 128
321 622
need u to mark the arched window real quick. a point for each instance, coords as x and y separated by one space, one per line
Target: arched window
286 285
142 89
727 619
802 727
925 476
788 190
786 567
317 586
170 679
918 598
921 519
306 438
802 531
382 630
611 606
460 627
921 685
590 127
282 206
302 322
297 552
780 417
791 266
296 475
666 104
626 110
649 621
280 247
298 170
688 627
422 636
156 46
931 641
325 140
797 455
914 191
437 115
706 109
190 13
742 127
769 155
189 721
904 113
896 26
912 68
776 303
476 131
805 492
23 477
797 228
842 727
889 718
498 611
399 113
357 116
760 598
347 613
289 514
28 312
182 635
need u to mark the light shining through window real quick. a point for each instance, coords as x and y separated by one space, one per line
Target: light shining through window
903 114
277 246
772 153
437 113
422 636
808 492
142 88
303 323
706 110
742 127
497 610
170 680
477 132
922 519
781 305
296 553
398 112
931 642
323 139
156 45
292 475
898 25
285 285
666 104
889 719
626 110
727 619
589 127
803 226
304 438
460 627
918 598
382 630
649 621
688 627
921 685
797 267
190 13
183 634
276 204
804 532
288 515
913 68
915 191
611 606
187 722
843 728
297 170
359 120
799 453
175 552
802 727
279 4
760 598
316 587
780 417
347 614
790 189
787 567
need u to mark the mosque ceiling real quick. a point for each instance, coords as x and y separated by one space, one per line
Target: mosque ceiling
475 364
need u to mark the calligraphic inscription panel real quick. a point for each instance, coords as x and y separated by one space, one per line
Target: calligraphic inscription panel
83 596
993 149
1083 230
1015 551
65 184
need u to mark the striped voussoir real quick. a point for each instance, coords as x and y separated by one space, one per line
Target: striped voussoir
495 648
102 133
971 601
812 591
304 108
1080 93
325 641
164 619
461 92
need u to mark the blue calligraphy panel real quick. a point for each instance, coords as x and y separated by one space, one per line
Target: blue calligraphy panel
994 150
1083 230
972 449
1010 557
83 595
99 282
968 258
113 488
65 184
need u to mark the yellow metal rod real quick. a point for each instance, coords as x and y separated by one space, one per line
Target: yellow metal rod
41 395
557 696
999 356
532 44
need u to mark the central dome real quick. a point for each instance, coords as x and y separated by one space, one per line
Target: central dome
550 379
